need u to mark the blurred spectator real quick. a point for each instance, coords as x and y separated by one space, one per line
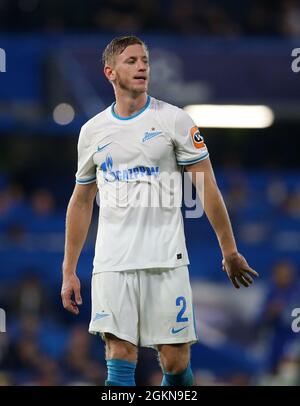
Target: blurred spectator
20 217
218 21
291 205
290 18
237 197
262 18
5 379
148 368
29 297
155 378
43 202
23 354
13 211
43 215
288 373
226 18
184 19
79 359
47 373
118 16
275 317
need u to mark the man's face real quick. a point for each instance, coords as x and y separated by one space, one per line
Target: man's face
131 69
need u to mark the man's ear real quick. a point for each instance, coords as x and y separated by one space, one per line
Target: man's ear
109 73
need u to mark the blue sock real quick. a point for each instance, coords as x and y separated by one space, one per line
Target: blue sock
120 373
184 378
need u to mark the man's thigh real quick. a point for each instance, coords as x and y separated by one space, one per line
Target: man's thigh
166 307
115 305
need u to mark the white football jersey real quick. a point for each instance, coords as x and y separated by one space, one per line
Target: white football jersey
137 163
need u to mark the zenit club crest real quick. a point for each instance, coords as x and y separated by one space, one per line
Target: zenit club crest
197 138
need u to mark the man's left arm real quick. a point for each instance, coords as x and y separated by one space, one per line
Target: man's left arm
233 262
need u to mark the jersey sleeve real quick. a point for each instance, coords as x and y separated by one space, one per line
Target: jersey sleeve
189 144
86 169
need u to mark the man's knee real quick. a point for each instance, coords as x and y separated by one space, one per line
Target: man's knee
174 358
119 349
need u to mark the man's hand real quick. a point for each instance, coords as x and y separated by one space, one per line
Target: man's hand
71 290
238 270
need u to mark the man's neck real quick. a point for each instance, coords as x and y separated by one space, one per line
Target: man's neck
127 105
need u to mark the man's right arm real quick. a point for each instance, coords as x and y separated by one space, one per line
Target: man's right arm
78 219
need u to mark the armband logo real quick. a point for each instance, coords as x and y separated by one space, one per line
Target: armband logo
197 138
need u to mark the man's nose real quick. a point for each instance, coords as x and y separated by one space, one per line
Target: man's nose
141 66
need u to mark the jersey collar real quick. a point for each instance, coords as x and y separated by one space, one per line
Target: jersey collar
115 115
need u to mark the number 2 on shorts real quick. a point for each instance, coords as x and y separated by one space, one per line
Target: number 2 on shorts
180 301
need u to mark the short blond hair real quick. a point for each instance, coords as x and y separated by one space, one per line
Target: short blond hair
117 46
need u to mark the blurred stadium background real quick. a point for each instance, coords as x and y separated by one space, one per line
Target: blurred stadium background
202 52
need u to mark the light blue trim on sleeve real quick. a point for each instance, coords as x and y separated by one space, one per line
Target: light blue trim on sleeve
193 161
86 181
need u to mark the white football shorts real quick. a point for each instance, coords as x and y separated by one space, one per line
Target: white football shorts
146 307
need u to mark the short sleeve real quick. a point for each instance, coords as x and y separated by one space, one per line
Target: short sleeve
86 169
189 143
